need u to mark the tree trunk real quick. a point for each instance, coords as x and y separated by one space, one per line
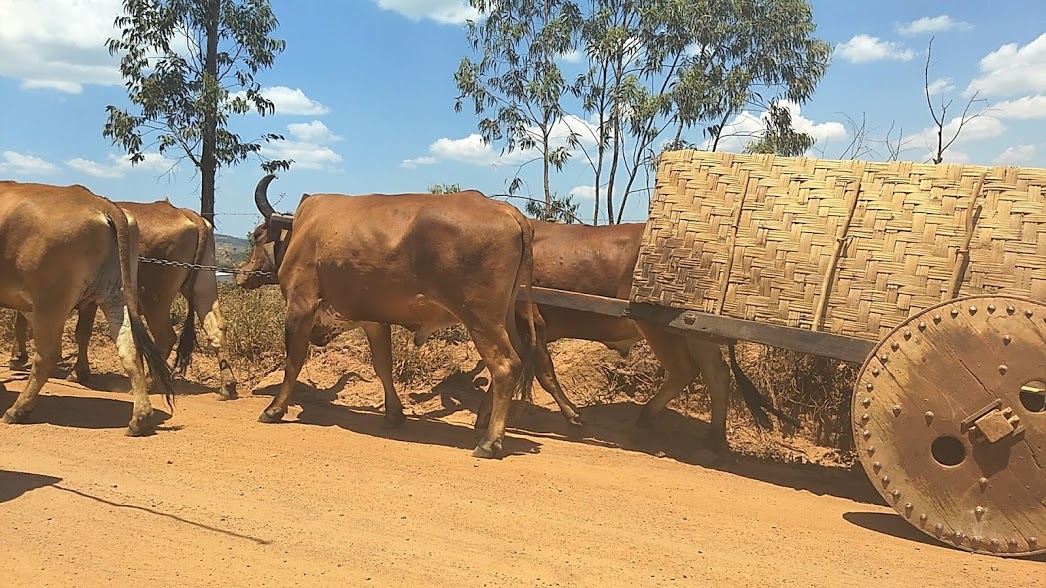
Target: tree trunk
208 163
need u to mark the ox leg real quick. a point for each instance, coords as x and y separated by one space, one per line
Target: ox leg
505 371
545 372
716 375
205 299
19 355
47 333
130 356
674 355
297 328
157 314
379 336
84 328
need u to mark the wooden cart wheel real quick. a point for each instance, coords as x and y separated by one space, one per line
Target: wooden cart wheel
950 426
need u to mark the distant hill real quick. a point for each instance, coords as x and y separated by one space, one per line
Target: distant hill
230 251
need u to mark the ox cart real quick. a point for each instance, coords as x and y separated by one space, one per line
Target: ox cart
932 278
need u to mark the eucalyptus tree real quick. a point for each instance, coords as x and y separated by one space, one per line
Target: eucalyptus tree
670 66
516 83
188 66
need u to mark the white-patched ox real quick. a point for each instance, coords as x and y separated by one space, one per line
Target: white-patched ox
171 234
62 248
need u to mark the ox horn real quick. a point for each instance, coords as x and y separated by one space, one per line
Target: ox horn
261 199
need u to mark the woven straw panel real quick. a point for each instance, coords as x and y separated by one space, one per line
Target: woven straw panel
907 228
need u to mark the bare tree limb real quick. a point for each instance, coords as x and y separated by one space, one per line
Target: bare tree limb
940 120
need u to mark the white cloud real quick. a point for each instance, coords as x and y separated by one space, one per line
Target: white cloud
821 132
308 146
747 126
413 163
58 44
1026 107
940 85
866 48
475 151
1016 155
288 101
472 150
312 132
1012 69
442 11
584 192
933 24
22 164
120 165
573 57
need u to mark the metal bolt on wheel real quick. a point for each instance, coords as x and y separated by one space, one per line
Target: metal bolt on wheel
949 418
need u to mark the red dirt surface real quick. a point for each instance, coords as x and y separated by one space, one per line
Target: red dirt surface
331 496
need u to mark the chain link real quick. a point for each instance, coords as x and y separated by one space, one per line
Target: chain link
211 268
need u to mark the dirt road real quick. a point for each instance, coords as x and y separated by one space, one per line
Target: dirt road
217 499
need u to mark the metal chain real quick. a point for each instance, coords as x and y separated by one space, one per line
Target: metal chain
203 267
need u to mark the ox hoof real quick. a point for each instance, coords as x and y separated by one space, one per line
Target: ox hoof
228 393
13 417
272 415
574 420
78 377
141 426
393 420
487 450
18 363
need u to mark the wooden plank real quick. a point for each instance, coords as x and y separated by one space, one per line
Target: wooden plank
575 300
698 323
801 340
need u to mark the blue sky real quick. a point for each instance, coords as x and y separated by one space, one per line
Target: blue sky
365 95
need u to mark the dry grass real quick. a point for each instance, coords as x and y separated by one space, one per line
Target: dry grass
814 390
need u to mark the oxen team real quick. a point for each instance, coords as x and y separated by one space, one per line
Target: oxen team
421 261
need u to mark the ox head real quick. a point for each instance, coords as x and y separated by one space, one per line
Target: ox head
263 255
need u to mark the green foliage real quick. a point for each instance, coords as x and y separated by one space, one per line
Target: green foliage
657 73
516 78
188 66
563 209
444 188
780 138
684 64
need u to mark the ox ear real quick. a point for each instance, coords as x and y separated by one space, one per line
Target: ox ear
261 199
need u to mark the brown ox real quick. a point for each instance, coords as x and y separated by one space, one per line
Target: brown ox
421 261
62 248
173 234
600 261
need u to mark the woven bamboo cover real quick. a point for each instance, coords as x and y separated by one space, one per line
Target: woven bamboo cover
899 252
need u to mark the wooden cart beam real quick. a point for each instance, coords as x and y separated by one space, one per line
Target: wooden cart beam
690 322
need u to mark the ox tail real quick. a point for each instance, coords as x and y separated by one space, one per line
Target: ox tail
757 403
526 274
187 340
143 342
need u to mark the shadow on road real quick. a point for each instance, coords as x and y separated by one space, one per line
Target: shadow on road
682 438
892 524
15 484
317 410
79 412
676 436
